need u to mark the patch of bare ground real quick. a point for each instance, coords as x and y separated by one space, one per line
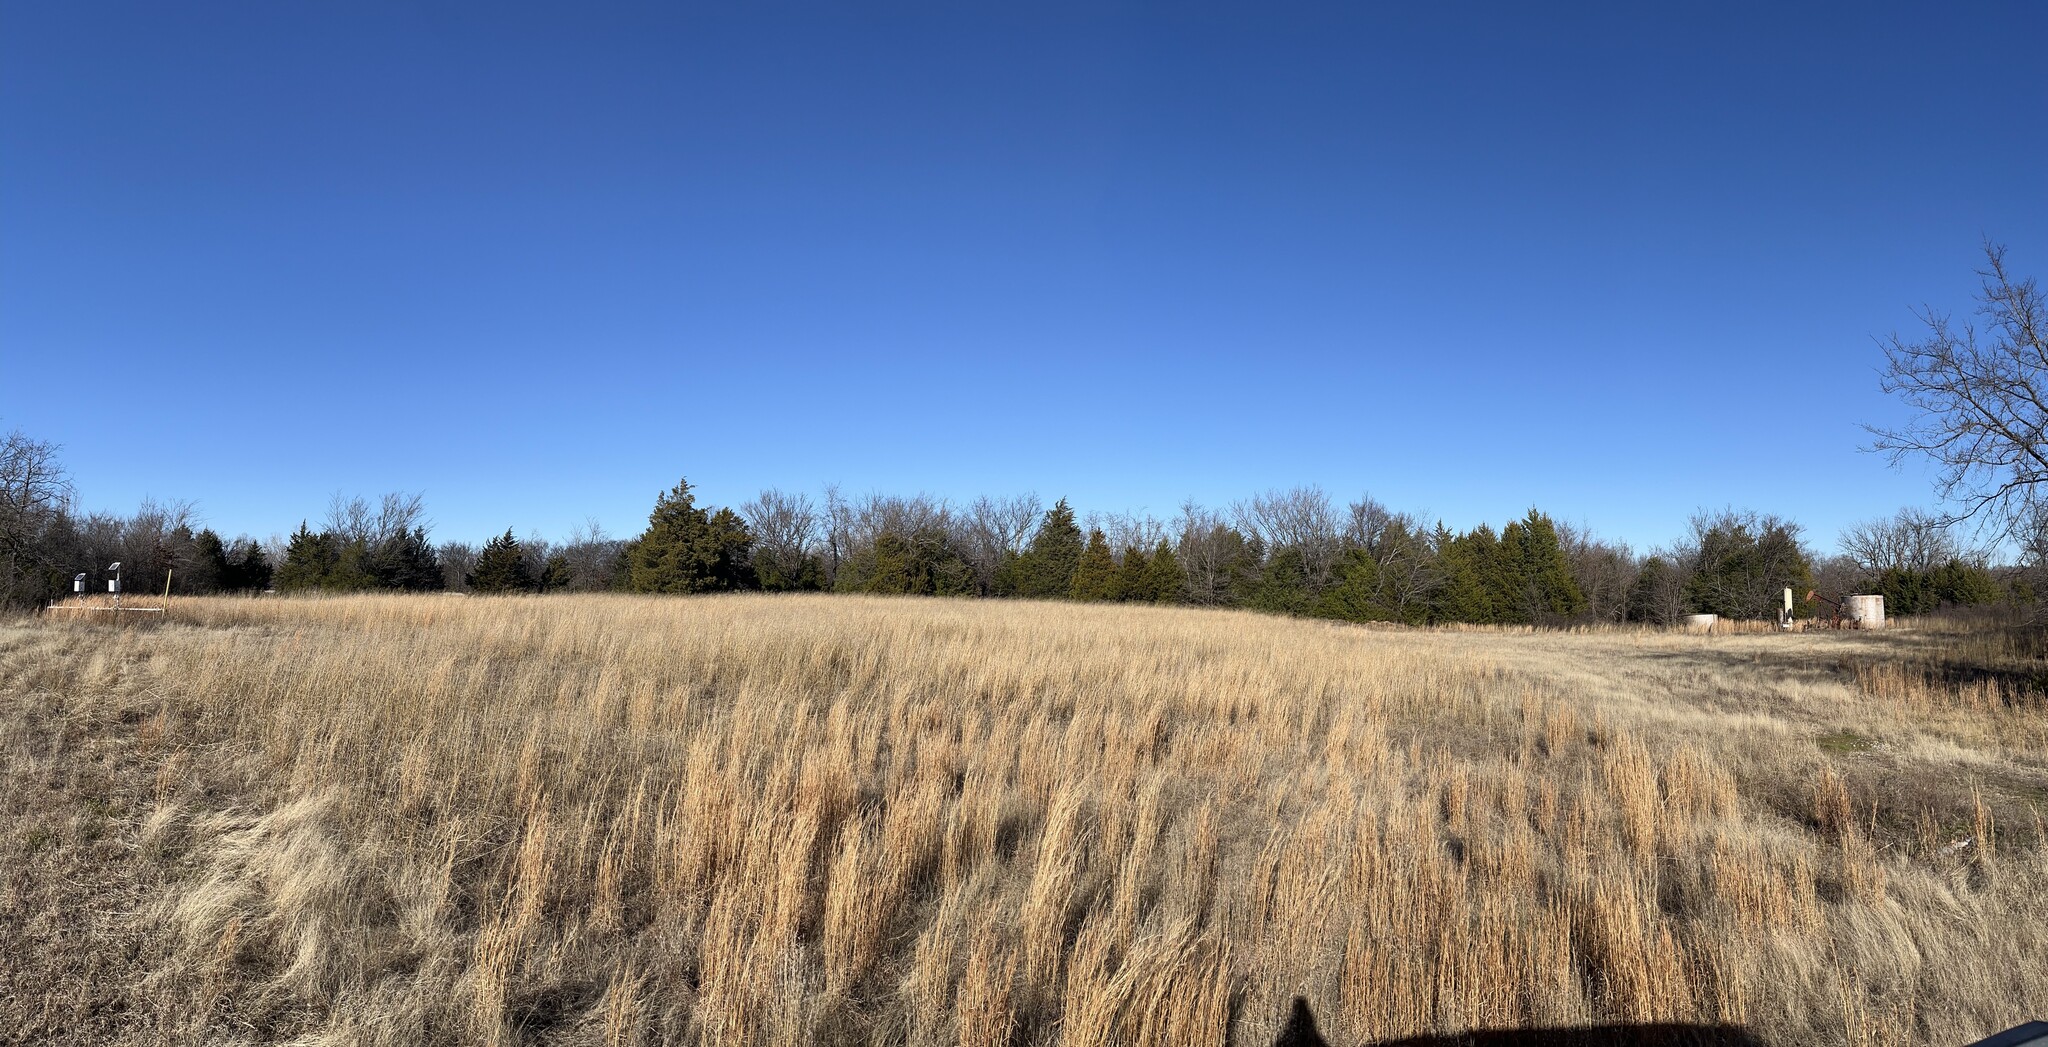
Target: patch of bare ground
763 820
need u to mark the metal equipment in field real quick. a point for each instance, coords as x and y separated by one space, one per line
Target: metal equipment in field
1862 611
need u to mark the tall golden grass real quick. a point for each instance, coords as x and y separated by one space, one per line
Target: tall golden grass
786 820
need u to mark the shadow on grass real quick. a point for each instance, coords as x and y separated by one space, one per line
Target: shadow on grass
1301 1031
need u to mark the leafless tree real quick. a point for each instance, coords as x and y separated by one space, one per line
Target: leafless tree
995 529
785 530
155 546
1838 575
356 520
1366 522
838 523
1212 552
896 514
34 494
1910 540
593 557
457 560
1301 518
1981 406
1606 571
1658 596
1399 548
1124 531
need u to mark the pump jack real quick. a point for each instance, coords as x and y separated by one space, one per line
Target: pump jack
1836 613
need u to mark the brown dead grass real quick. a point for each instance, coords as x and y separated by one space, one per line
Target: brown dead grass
762 820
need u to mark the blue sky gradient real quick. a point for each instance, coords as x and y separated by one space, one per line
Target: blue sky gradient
537 263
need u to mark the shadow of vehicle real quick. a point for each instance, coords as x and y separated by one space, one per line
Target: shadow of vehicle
1301 1031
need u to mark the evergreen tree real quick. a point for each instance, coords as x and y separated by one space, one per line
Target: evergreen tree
1657 596
1535 578
1282 584
1095 572
501 567
1953 584
790 574
250 570
1354 591
732 544
942 562
1959 584
308 560
556 574
1165 582
688 550
355 568
1744 563
1046 570
923 563
209 571
1134 577
408 562
886 567
1463 564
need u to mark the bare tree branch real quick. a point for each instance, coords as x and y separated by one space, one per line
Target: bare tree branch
1982 406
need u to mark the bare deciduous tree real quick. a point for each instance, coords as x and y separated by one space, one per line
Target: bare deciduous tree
1301 518
1204 555
995 529
1658 596
593 557
355 520
1910 540
838 524
1982 406
457 559
1399 548
1140 531
785 530
1605 571
34 492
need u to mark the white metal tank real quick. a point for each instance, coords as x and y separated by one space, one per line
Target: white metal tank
1701 623
1867 611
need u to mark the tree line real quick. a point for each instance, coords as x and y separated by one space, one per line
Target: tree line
1293 551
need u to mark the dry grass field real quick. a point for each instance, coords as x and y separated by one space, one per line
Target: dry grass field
787 820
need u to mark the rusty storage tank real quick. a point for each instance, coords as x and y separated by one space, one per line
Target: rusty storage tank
1866 611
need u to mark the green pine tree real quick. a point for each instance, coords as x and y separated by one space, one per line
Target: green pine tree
1046 570
1165 581
308 560
355 568
556 574
1282 584
1095 573
1133 576
501 567
1959 584
407 562
888 567
1354 592
1535 578
210 570
249 569
1463 562
688 550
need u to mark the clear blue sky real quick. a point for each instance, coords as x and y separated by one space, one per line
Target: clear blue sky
1618 262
